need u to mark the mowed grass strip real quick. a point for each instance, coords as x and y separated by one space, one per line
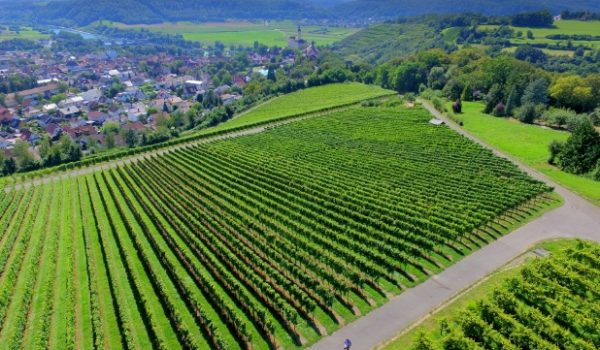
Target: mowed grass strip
304 101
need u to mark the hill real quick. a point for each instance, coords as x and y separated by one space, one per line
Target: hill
80 12
382 9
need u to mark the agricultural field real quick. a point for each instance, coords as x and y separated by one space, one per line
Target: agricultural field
246 33
269 240
23 33
565 27
540 303
320 97
528 143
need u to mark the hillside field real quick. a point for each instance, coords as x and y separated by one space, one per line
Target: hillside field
302 102
539 302
566 27
246 33
274 239
528 143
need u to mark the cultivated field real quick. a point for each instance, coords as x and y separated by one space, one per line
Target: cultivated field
267 240
566 27
246 33
528 143
24 33
304 101
545 303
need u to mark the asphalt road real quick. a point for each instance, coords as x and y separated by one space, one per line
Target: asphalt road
576 218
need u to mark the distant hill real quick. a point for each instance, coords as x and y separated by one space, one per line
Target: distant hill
83 12
382 9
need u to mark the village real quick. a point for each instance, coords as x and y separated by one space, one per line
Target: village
109 99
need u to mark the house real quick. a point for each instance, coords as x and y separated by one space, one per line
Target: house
193 86
45 91
69 112
97 117
311 51
239 81
5 116
93 95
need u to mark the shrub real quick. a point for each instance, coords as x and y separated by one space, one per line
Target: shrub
596 172
457 107
499 110
558 116
526 113
438 104
555 148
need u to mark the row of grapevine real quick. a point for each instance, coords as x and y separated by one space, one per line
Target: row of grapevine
260 242
553 303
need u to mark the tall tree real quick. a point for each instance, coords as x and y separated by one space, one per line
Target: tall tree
581 152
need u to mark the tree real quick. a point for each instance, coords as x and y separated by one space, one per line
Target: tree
10 166
467 94
555 148
2 100
130 137
436 78
581 151
493 97
23 156
530 35
573 92
530 54
512 101
536 92
109 141
527 113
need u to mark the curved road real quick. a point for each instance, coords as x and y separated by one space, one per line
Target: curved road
576 218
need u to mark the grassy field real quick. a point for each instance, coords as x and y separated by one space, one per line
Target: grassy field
24 33
265 241
321 97
529 143
481 291
567 27
246 33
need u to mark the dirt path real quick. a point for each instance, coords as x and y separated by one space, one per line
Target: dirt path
576 218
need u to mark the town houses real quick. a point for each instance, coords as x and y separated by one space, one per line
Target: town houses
79 94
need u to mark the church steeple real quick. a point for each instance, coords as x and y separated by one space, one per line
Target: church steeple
299 37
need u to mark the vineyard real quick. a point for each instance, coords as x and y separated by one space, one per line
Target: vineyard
552 303
264 241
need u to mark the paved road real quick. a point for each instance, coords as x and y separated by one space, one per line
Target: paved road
576 218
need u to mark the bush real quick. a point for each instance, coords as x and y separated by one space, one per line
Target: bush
555 148
439 104
558 116
596 172
527 113
499 110
457 107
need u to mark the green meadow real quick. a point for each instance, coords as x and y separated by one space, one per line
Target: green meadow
246 33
